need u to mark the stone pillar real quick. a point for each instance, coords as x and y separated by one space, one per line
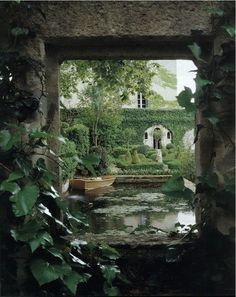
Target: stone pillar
53 112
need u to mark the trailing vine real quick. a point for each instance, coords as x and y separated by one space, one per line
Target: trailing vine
40 254
214 98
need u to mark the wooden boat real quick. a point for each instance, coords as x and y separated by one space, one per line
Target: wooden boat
83 183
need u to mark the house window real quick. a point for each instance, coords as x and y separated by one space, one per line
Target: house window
142 102
146 135
168 135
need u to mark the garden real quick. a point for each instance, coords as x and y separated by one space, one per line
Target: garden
109 139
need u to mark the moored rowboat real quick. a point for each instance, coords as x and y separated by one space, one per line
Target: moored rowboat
83 183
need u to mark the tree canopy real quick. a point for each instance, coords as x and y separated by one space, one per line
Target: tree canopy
117 78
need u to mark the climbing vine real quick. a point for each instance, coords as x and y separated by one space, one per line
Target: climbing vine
214 98
41 254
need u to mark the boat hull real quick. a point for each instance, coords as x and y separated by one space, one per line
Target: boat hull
90 184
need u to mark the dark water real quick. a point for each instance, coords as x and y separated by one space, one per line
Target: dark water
132 209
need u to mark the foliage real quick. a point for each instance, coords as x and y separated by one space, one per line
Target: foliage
135 157
103 163
119 150
187 164
144 149
119 77
169 146
79 134
178 121
69 159
126 135
35 243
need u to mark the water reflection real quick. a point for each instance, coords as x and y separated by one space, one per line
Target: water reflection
125 208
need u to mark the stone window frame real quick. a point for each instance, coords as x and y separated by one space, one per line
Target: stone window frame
122 48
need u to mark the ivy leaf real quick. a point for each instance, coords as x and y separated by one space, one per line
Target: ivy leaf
184 99
111 291
213 119
77 260
55 252
35 133
17 31
44 210
5 138
43 272
15 175
200 82
9 187
73 279
24 200
62 269
196 51
27 232
216 11
230 29
109 252
109 272
42 239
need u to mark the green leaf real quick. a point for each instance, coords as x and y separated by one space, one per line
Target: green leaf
213 119
5 138
42 238
24 200
15 175
200 82
109 272
230 29
109 252
174 184
17 31
216 11
27 232
62 269
111 291
196 51
9 187
73 279
43 272
55 252
184 99
35 133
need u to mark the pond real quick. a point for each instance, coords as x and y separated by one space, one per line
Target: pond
132 209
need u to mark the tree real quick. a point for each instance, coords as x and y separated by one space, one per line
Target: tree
118 77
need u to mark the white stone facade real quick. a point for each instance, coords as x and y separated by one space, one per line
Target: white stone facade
166 137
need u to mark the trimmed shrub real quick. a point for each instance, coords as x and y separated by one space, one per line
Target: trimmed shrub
118 151
169 146
143 149
135 158
128 157
80 135
142 158
153 156
173 164
69 163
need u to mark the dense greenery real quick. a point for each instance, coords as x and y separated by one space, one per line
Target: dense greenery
177 121
79 134
117 78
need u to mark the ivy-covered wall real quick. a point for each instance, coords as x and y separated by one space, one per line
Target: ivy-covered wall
177 121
